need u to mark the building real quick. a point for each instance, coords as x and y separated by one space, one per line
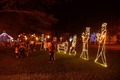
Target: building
4 37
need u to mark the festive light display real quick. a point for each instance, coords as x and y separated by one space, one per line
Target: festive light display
70 39
72 50
85 38
45 43
37 38
63 47
101 38
93 38
5 37
42 39
48 36
25 37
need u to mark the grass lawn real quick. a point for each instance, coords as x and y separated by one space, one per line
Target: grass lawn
66 67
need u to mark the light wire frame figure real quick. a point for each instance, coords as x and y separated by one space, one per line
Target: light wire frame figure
101 38
85 38
72 50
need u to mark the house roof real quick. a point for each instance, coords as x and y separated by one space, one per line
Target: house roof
5 34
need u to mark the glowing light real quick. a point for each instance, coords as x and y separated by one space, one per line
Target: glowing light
101 38
25 37
45 43
104 65
48 36
37 38
5 34
31 42
70 39
33 35
93 38
42 39
61 39
72 50
63 47
85 38
18 35
12 40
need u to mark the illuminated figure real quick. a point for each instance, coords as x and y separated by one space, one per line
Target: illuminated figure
72 50
85 38
42 39
45 43
101 38
62 46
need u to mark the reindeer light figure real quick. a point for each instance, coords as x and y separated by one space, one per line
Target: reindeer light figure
85 38
72 50
101 38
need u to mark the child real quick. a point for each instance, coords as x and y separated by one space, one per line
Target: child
17 51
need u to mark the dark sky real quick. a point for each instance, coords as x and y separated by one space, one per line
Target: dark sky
80 14
73 15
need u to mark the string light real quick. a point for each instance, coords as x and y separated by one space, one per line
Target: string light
101 38
63 47
72 50
85 38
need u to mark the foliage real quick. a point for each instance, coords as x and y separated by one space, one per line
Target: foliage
25 21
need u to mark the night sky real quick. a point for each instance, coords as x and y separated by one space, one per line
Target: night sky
76 15
72 15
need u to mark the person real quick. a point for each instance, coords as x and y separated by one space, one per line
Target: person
22 50
29 48
52 50
17 51
26 52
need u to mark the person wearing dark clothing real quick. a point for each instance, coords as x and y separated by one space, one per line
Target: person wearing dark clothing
52 50
22 51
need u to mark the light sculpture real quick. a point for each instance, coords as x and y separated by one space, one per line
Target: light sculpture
42 39
85 38
63 47
45 43
72 50
101 38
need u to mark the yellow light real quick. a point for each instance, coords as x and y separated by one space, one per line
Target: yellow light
31 42
18 35
103 36
36 38
25 37
104 65
48 36
85 37
72 50
101 48
63 47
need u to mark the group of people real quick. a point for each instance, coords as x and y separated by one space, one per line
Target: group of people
22 50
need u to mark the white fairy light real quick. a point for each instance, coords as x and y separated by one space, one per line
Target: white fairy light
85 38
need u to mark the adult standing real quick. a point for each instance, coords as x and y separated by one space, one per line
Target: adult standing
52 50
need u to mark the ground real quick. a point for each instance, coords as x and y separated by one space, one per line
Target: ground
37 66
